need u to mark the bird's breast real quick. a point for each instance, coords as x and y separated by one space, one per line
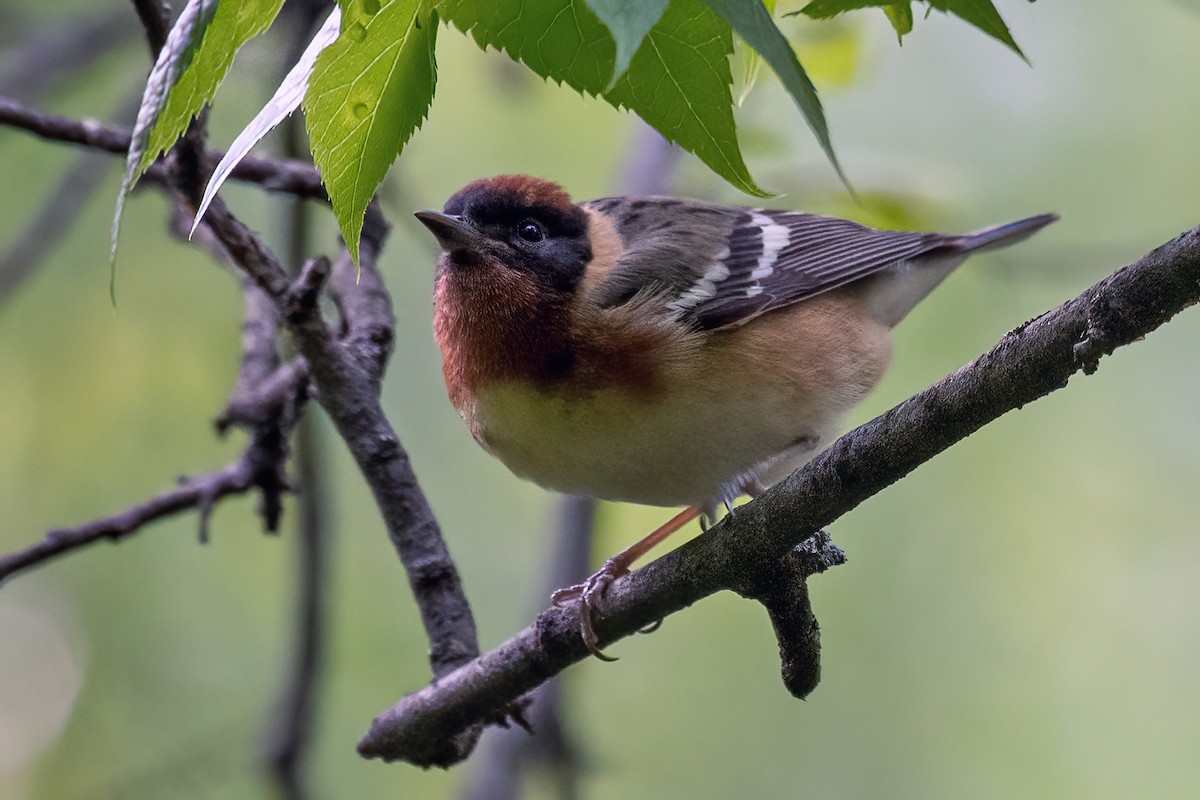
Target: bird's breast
643 410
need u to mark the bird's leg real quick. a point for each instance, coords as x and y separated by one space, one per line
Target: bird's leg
592 590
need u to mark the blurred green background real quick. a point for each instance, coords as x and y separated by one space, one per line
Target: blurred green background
1017 617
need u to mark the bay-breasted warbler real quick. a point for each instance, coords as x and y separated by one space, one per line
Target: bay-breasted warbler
667 351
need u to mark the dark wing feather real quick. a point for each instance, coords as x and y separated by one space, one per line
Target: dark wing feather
781 257
668 244
723 266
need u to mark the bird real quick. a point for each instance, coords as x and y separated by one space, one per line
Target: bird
666 351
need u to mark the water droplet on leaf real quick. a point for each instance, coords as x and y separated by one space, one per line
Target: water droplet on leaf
360 110
356 32
371 6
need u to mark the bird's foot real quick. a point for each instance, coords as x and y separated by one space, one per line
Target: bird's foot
589 594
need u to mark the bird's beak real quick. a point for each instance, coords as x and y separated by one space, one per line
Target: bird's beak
452 232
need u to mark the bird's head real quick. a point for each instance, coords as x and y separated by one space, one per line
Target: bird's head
520 222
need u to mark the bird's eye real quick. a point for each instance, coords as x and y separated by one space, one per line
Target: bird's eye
530 231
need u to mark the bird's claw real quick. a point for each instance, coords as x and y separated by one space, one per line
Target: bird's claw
589 594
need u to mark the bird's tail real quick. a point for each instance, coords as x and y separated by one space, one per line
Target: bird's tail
894 292
998 236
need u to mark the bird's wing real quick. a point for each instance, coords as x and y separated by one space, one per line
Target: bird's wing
723 266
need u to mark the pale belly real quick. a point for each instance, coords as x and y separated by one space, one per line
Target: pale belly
739 413
684 448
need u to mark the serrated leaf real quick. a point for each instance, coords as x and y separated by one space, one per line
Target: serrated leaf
752 62
285 100
177 53
900 15
824 9
752 22
370 90
234 23
980 13
628 21
678 81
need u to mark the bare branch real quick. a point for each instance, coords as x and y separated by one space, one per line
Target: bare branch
348 376
1028 363
273 174
247 250
783 590
153 15
197 492
363 300
260 358
259 467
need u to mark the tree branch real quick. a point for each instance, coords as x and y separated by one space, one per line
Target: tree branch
348 373
782 588
200 492
273 174
1028 363
153 15
265 401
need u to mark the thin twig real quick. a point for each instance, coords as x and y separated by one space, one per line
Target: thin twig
260 467
1027 364
153 15
348 377
260 357
200 492
783 591
273 174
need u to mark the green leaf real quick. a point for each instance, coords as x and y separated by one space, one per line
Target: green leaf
286 99
370 90
752 61
980 13
824 9
177 53
678 81
900 15
628 21
752 22
234 23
